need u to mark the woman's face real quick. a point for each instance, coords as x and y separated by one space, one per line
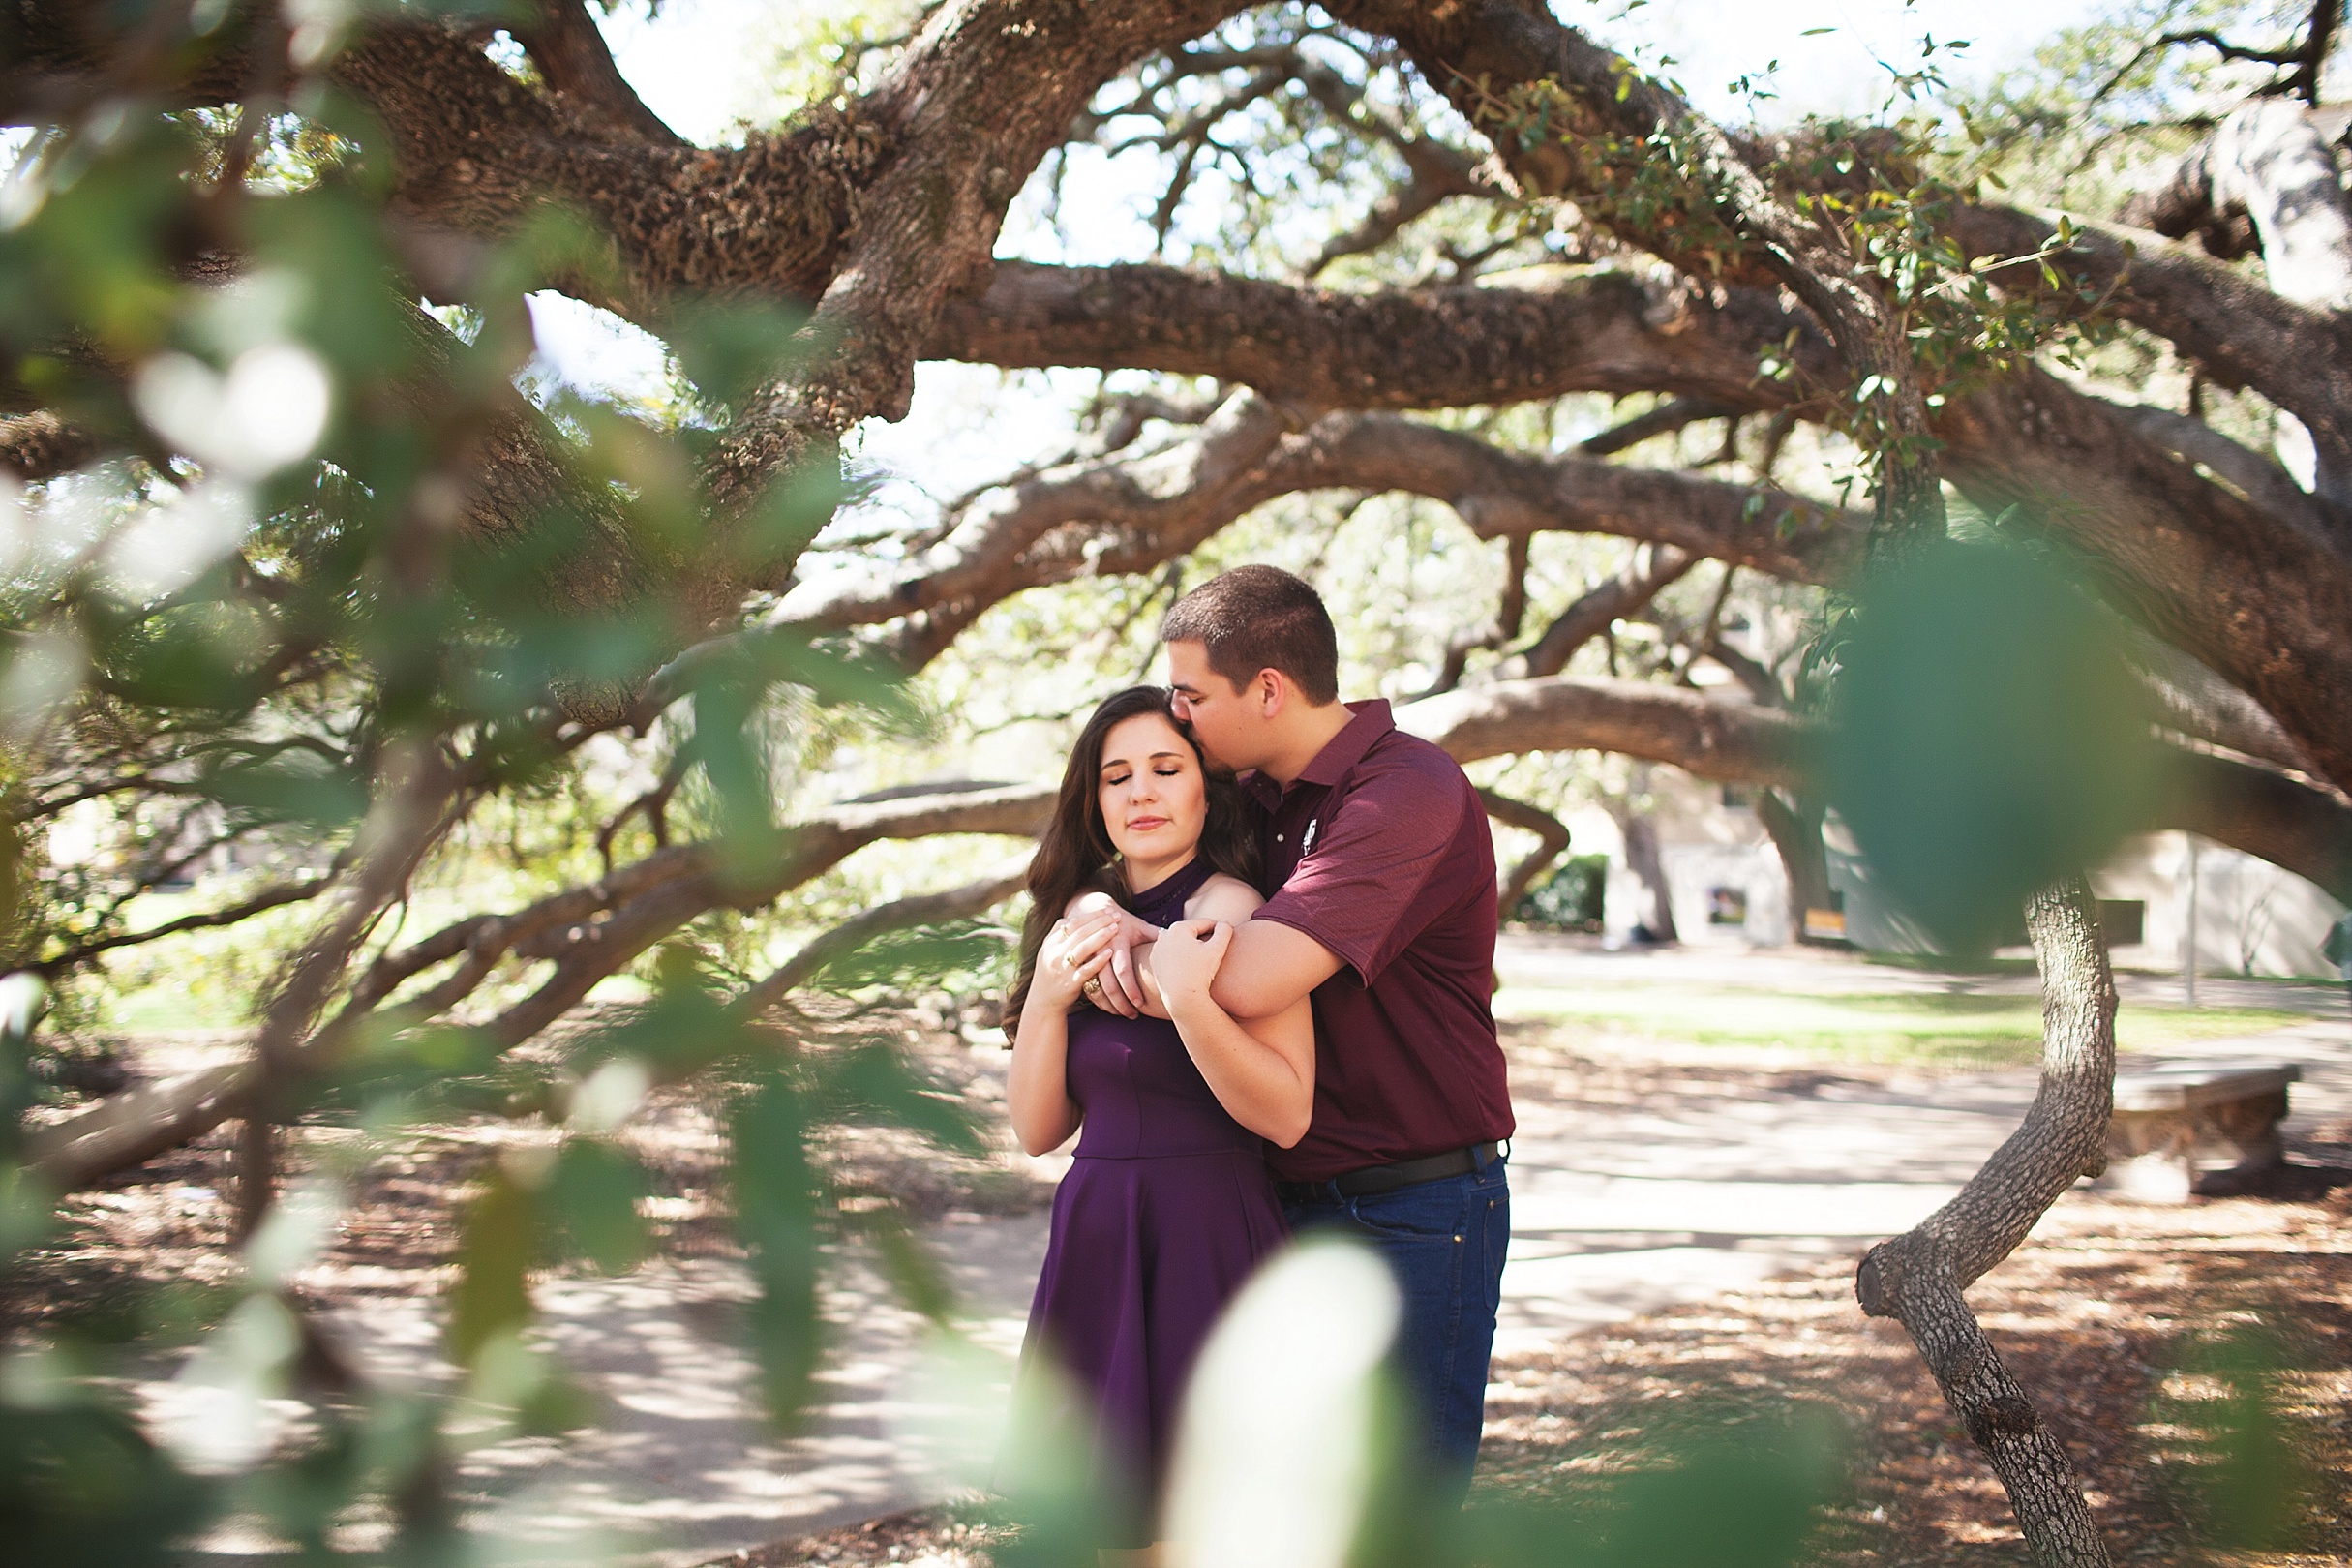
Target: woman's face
1149 788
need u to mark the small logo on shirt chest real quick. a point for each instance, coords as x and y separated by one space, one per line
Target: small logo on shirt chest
1307 839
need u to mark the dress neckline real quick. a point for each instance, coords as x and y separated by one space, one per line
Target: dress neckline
1174 889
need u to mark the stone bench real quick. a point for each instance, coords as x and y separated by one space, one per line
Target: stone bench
2169 1115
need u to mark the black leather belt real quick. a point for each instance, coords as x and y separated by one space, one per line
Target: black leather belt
1388 1178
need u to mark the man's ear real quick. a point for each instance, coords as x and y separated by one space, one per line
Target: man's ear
1273 693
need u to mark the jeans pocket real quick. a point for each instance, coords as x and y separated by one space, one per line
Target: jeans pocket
1427 1212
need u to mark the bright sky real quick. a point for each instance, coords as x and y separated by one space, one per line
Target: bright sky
704 66
700 65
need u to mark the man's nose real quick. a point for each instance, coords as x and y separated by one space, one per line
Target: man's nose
1181 709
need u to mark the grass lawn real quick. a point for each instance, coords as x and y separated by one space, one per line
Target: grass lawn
1956 1030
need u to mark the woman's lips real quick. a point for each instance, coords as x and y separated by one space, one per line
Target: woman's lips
1145 824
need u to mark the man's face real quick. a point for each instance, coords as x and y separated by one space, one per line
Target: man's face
1221 720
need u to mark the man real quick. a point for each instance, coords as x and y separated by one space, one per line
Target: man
1381 875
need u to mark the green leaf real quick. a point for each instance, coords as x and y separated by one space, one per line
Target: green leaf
298 786
493 1292
775 1206
730 350
874 1084
590 1202
1988 737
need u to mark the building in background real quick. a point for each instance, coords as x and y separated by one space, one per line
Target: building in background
1726 886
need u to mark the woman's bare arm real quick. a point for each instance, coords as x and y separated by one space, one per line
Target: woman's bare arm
1037 1089
1262 1070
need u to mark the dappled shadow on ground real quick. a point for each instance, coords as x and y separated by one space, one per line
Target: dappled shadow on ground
2097 1316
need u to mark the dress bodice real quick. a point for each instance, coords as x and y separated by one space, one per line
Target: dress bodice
1134 1082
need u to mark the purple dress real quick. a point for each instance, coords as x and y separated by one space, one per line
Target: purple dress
1166 1210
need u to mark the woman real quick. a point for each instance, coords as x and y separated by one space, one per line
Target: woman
1167 1206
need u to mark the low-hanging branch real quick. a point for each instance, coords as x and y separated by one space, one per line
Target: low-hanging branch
1551 843
1129 515
589 932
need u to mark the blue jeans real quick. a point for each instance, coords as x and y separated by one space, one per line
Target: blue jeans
1445 1242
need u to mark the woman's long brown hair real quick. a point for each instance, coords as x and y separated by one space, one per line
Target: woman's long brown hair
1075 853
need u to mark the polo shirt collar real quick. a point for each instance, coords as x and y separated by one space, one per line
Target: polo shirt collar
1371 721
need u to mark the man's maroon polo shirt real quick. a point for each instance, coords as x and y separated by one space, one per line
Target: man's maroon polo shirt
1380 851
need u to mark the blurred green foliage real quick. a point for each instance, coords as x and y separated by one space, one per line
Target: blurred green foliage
1988 737
246 640
2242 1474
1570 899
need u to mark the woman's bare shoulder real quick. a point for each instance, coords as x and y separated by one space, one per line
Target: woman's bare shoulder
1223 898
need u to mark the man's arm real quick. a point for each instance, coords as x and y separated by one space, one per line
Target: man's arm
1270 967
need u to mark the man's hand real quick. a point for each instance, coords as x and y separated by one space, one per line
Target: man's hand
1185 960
1124 990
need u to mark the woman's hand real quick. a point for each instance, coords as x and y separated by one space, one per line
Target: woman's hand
1073 955
1185 959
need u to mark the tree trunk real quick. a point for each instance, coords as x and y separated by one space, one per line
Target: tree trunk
1917 1278
1796 833
1656 909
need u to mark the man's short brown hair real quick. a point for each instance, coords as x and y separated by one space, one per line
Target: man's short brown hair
1260 618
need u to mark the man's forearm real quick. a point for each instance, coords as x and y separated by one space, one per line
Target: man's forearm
1270 967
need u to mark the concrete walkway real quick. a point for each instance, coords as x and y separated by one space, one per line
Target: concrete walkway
1621 1211
1619 1208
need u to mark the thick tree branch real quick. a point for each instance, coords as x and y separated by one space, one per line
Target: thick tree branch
1125 515
571 54
41 445
1400 349
1642 578
2297 353
2241 589
2253 476
2250 596
1552 842
589 932
901 915
1507 65
1736 743
2265 813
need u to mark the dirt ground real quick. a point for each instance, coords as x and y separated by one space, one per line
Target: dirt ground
2103 1317
2108 1315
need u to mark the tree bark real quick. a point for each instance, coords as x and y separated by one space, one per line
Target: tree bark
1917 1278
1795 825
1656 912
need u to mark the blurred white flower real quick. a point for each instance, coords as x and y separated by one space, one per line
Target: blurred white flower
269 411
314 26
217 1416
1280 1430
166 546
47 669
16 526
610 1096
295 1233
